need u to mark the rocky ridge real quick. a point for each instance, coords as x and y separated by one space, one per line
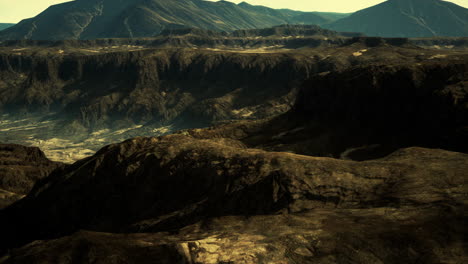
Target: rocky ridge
182 182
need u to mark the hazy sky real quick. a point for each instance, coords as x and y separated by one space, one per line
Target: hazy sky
15 10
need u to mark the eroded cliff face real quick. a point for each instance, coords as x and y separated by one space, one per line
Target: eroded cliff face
101 86
159 85
82 97
366 112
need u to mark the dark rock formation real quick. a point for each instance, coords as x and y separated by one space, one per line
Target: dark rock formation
424 105
20 168
276 31
286 31
166 86
376 41
441 43
407 18
305 37
373 235
366 112
162 184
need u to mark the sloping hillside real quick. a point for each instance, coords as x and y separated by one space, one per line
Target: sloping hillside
90 19
407 18
5 25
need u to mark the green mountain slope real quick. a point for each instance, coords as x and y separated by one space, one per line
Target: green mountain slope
5 25
90 19
407 18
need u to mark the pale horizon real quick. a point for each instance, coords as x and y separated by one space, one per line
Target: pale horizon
15 11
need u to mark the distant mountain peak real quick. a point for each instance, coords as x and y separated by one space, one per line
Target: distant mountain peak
407 18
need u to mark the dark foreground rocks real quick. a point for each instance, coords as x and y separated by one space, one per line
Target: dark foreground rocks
214 201
317 236
20 168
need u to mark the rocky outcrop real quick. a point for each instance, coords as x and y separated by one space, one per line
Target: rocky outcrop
165 86
442 43
409 105
20 168
377 41
367 112
161 184
286 31
304 37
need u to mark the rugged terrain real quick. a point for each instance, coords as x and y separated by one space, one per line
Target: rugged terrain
66 98
76 94
91 19
185 199
20 168
366 112
290 144
354 172
407 18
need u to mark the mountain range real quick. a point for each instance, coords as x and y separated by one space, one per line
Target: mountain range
90 19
